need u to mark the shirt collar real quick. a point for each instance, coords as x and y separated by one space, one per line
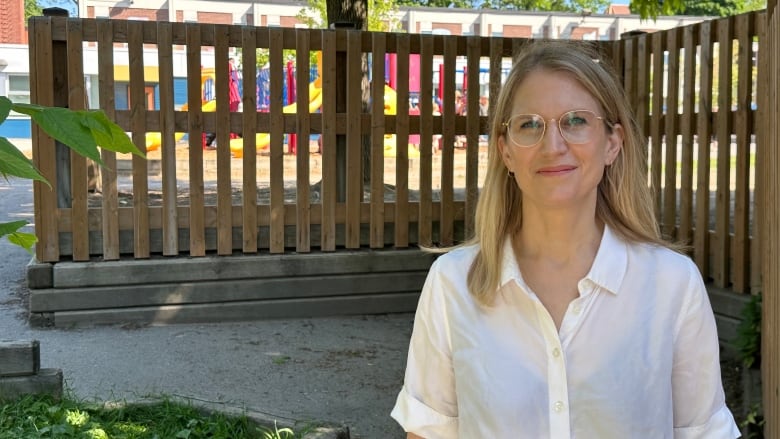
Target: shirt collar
608 269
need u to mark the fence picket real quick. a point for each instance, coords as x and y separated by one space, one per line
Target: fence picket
670 201
197 226
302 189
276 146
685 231
328 223
78 178
402 214
110 205
377 154
741 242
354 139
721 252
701 236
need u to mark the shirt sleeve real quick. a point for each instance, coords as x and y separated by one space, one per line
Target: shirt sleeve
700 409
427 403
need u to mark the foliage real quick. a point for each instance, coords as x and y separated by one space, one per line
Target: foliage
43 417
437 3
717 8
381 15
654 8
748 340
32 9
753 425
81 130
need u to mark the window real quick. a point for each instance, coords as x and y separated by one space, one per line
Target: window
18 91
19 88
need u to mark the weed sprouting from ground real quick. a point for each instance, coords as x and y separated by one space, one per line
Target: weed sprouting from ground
43 417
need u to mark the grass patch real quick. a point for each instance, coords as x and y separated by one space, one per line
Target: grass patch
43 417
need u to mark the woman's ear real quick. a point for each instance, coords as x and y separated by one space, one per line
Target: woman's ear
614 144
504 151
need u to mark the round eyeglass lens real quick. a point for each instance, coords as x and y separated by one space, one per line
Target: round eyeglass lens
576 127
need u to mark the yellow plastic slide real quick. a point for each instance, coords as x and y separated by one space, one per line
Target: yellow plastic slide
154 140
262 140
390 140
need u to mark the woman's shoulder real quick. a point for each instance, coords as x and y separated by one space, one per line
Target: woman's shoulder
663 259
462 255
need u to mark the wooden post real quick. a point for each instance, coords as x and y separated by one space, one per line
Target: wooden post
59 54
769 209
341 108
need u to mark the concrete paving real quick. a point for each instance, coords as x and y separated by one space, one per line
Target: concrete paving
337 370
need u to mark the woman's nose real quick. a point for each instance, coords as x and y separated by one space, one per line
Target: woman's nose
553 141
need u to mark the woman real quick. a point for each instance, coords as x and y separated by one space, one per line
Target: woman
567 315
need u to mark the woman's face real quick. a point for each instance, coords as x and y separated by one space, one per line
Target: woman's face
555 173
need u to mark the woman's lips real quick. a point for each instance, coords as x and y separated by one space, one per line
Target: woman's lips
556 170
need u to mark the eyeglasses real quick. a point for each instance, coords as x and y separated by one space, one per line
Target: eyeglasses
576 127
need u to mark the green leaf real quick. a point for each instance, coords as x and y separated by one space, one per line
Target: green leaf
22 239
64 125
13 162
109 135
183 434
13 226
5 108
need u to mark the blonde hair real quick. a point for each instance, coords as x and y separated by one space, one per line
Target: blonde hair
624 200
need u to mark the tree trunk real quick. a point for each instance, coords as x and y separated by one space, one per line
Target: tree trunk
347 11
352 14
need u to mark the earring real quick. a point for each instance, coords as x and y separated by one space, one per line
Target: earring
510 174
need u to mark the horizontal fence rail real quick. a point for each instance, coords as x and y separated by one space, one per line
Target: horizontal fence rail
693 89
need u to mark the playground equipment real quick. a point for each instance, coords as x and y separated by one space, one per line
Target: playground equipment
390 139
262 140
154 138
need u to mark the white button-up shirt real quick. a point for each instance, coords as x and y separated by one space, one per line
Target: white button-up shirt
636 356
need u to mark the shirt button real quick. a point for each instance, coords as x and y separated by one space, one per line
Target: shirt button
556 353
558 406
577 309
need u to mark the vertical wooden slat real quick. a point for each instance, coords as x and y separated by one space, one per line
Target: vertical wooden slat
354 139
642 109
629 69
170 223
741 243
110 210
42 92
78 176
249 129
701 245
135 48
756 243
670 131
685 234
303 200
496 59
224 179
401 218
328 224
275 41
425 220
195 128
723 135
447 214
472 135
769 160
656 140
377 209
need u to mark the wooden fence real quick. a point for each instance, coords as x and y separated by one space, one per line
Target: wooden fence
700 158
